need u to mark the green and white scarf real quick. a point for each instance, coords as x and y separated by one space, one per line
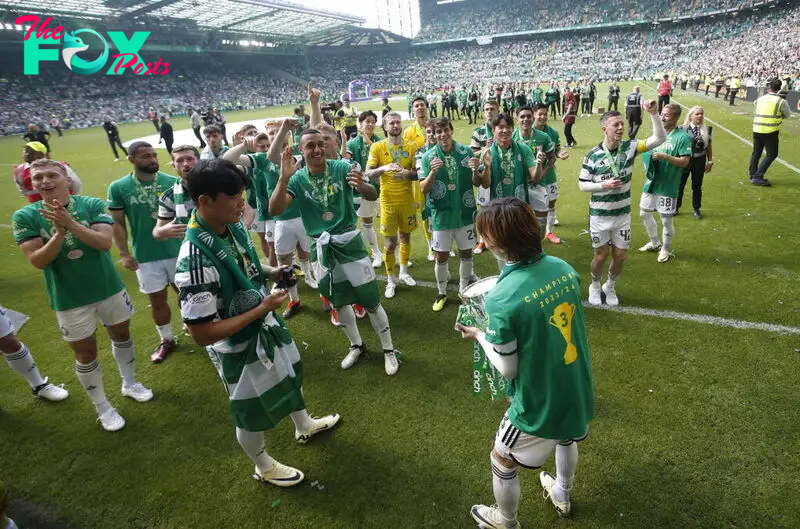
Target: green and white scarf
179 202
239 289
509 176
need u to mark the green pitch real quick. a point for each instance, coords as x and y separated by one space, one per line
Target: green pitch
696 425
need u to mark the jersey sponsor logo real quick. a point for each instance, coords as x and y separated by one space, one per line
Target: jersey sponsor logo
199 299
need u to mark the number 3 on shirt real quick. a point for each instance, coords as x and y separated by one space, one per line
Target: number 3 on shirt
562 320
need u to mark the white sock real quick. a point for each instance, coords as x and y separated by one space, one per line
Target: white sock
464 272
380 323
305 266
596 279
123 354
404 269
667 232
566 465
505 483
293 295
440 271
612 278
650 226
302 420
542 222
348 320
165 332
91 378
392 280
551 220
371 237
22 362
253 445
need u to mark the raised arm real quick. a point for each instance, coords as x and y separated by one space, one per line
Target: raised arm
275 149
237 154
280 198
316 111
659 135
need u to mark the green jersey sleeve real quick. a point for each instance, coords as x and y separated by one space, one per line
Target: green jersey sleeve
97 212
528 158
295 188
198 284
684 148
115 200
24 225
499 330
166 205
425 165
352 146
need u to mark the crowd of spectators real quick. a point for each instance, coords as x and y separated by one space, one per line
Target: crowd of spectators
756 46
476 17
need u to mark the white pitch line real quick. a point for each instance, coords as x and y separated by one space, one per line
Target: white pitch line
729 131
665 314
640 311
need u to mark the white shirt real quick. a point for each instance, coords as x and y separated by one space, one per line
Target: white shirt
431 99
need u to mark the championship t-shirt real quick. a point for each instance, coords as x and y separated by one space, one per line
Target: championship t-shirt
535 312
139 201
663 178
80 275
325 200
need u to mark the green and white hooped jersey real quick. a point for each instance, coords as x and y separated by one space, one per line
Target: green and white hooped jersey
597 168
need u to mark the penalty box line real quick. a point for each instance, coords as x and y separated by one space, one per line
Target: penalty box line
666 314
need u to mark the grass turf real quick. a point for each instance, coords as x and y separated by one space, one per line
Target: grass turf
714 444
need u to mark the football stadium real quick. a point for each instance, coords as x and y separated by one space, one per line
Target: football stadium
399 263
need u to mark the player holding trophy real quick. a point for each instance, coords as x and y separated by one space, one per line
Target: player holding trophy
536 338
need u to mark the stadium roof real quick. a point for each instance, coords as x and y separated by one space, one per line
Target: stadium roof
352 36
257 18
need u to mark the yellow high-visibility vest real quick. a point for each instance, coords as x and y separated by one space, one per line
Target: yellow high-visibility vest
768 116
736 83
